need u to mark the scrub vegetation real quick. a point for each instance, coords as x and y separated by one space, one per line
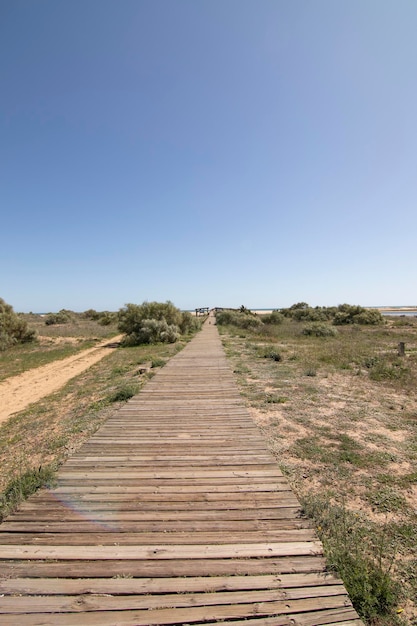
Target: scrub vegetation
339 410
154 322
13 329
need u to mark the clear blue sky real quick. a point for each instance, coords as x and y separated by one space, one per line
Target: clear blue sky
210 152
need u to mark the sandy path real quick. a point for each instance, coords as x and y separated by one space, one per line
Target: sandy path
17 392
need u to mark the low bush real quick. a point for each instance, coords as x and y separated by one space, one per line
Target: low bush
241 319
13 329
189 323
342 314
320 330
91 314
106 318
303 312
62 317
273 318
154 322
153 331
355 314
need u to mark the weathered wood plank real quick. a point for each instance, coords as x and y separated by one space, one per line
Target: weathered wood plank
159 616
57 586
174 495
189 472
93 508
160 551
179 537
220 486
111 602
64 513
165 526
176 567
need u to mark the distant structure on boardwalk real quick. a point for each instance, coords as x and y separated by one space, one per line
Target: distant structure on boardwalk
203 310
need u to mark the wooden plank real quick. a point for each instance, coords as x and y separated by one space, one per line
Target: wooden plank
226 472
145 538
173 495
183 615
219 486
94 508
64 486
56 586
190 526
126 618
176 567
343 616
64 513
165 462
111 602
157 552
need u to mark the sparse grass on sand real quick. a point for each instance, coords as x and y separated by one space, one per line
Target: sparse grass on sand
340 415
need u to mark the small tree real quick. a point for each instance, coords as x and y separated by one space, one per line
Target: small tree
13 329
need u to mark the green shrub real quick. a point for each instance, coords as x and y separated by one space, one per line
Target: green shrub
302 312
310 315
62 317
343 314
275 318
248 321
153 331
13 329
225 317
371 317
320 330
133 314
91 314
106 318
153 322
355 314
241 319
189 323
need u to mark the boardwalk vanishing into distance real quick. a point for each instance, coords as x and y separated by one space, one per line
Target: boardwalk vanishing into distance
174 512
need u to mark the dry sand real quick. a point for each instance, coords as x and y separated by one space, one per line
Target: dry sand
18 392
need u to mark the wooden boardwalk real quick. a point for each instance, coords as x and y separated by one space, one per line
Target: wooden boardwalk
174 512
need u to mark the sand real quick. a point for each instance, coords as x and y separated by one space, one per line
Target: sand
18 392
